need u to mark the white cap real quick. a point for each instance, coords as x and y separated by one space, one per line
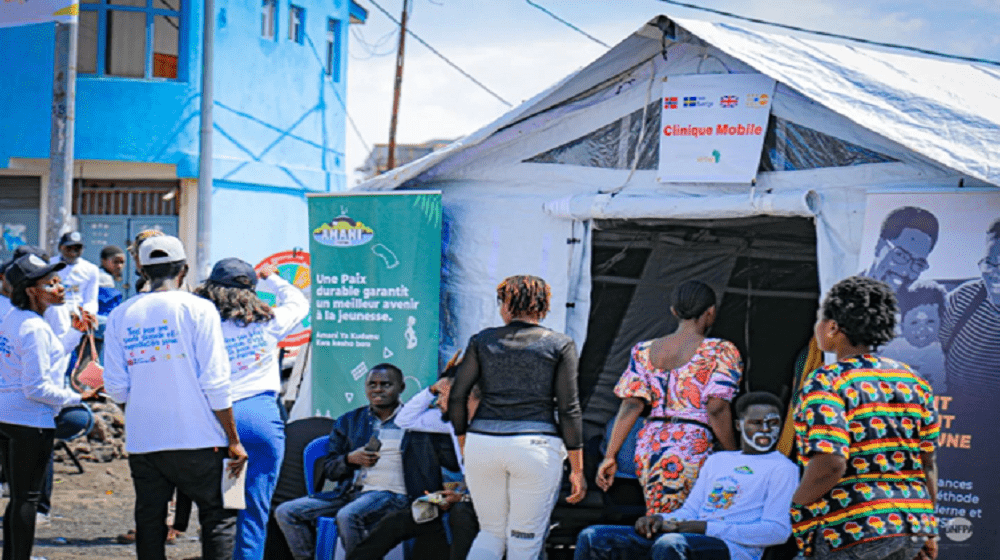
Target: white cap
161 250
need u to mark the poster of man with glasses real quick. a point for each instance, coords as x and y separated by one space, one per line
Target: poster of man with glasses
940 252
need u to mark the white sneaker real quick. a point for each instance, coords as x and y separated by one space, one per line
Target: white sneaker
42 519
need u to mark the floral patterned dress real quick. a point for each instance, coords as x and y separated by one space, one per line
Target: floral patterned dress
668 454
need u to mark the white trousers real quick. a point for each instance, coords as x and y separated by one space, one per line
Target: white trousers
514 481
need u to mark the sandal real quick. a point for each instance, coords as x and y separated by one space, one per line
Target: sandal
126 538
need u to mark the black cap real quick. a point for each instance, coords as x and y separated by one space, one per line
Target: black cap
29 268
71 238
23 250
234 273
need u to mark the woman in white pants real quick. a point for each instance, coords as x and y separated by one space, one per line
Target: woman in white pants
516 447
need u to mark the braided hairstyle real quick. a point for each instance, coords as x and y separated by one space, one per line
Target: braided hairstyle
864 309
692 299
524 296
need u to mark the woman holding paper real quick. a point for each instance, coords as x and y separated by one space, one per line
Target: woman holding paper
31 394
252 330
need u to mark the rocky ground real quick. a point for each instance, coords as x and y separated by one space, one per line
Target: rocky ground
91 509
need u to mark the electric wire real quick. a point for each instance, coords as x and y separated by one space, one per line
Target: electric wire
441 56
373 49
833 35
568 24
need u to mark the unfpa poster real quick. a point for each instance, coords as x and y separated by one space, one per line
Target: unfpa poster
376 275
940 253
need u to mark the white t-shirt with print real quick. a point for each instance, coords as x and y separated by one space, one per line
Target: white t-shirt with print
32 364
81 281
745 500
253 349
166 359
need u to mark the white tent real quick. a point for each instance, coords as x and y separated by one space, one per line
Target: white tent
527 193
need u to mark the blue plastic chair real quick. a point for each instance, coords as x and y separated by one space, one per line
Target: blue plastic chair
328 546
326 527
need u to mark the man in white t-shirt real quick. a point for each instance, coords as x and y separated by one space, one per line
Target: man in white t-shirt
739 505
166 360
80 277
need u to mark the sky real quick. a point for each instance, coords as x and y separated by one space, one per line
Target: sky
516 50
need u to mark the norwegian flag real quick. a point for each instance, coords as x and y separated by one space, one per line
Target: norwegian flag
729 100
669 102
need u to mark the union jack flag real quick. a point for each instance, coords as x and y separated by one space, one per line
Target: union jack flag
729 100
669 102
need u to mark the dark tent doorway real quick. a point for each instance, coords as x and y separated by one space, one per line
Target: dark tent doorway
762 268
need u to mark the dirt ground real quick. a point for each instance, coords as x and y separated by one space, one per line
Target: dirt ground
89 510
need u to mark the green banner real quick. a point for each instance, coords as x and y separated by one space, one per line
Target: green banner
376 275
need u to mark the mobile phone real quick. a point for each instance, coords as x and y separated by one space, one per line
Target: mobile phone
374 444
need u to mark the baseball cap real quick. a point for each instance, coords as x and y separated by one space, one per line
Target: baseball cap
161 250
71 238
234 273
28 269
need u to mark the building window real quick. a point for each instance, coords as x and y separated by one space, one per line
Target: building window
130 38
268 19
333 49
296 23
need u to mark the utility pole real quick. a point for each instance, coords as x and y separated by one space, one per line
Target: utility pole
204 229
60 193
391 160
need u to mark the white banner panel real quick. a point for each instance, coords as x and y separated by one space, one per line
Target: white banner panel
713 127
20 12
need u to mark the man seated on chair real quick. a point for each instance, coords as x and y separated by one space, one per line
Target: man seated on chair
425 418
368 471
739 504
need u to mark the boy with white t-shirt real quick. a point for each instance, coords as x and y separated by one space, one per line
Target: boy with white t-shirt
165 358
739 505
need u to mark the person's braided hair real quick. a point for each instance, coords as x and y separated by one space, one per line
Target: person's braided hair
864 309
241 305
524 296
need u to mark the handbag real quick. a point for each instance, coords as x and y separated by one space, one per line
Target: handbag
92 375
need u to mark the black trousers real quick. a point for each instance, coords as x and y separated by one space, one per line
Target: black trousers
24 452
431 542
197 473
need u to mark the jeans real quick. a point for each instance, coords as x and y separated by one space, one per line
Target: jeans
621 542
297 520
263 436
514 481
24 451
356 518
900 547
198 474
431 542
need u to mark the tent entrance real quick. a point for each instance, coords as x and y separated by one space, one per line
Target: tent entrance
762 268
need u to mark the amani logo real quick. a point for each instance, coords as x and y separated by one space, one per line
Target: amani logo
342 231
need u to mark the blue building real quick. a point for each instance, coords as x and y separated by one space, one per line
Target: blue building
279 121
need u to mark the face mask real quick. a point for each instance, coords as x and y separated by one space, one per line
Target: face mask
770 434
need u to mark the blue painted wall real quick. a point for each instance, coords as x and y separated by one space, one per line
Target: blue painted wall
279 120
252 222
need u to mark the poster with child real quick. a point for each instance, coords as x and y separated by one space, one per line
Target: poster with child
940 252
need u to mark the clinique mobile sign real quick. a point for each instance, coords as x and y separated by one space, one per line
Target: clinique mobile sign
713 126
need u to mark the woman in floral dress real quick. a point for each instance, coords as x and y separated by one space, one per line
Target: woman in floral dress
687 380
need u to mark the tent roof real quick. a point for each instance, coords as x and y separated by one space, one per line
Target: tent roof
947 111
